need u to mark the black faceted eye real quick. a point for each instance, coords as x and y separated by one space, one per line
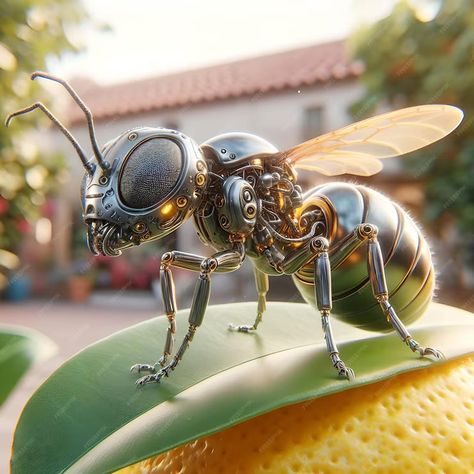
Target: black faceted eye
150 173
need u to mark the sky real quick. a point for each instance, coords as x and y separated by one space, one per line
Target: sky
156 37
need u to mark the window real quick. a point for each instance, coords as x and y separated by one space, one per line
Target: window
313 122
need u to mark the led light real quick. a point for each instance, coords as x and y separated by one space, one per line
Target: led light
166 209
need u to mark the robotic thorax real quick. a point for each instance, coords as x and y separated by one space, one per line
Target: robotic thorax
245 189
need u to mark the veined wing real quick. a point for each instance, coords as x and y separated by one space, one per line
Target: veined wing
358 148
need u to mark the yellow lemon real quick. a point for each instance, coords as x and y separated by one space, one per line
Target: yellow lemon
418 422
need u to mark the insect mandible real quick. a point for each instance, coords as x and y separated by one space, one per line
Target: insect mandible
347 247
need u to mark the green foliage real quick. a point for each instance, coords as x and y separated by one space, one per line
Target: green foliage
410 62
90 417
19 350
30 31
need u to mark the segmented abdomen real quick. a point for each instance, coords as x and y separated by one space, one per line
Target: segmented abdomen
408 267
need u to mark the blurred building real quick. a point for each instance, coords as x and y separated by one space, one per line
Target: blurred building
286 98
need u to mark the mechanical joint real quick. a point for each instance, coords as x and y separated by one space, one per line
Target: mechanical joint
191 332
319 245
172 324
412 344
209 265
367 231
384 304
167 259
335 359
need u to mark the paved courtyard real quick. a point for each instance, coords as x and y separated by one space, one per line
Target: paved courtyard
71 327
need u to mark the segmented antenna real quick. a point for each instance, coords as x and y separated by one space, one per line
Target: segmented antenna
38 105
90 122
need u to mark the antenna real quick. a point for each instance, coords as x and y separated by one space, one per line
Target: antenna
38 105
100 159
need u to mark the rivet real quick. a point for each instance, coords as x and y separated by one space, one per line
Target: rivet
139 227
200 179
181 201
247 196
250 210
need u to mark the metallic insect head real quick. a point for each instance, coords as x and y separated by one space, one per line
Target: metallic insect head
139 187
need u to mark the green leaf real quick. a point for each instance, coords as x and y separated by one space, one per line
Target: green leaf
90 417
19 349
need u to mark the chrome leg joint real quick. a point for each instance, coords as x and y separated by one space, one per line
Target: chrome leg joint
205 266
367 231
208 266
319 245
167 259
375 266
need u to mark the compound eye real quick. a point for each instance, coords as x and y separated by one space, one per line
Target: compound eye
150 173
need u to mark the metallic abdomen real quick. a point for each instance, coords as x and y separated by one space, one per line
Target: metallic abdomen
408 267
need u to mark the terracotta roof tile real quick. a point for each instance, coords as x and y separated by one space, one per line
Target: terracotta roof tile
275 72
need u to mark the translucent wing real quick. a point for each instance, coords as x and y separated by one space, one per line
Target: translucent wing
358 148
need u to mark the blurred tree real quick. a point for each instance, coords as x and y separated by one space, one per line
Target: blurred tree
30 31
409 61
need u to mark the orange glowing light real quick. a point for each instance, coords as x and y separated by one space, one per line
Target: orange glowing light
166 209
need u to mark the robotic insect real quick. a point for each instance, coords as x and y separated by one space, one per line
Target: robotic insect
346 246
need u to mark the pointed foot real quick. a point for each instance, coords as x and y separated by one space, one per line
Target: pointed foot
428 351
154 378
344 371
424 351
143 368
242 328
